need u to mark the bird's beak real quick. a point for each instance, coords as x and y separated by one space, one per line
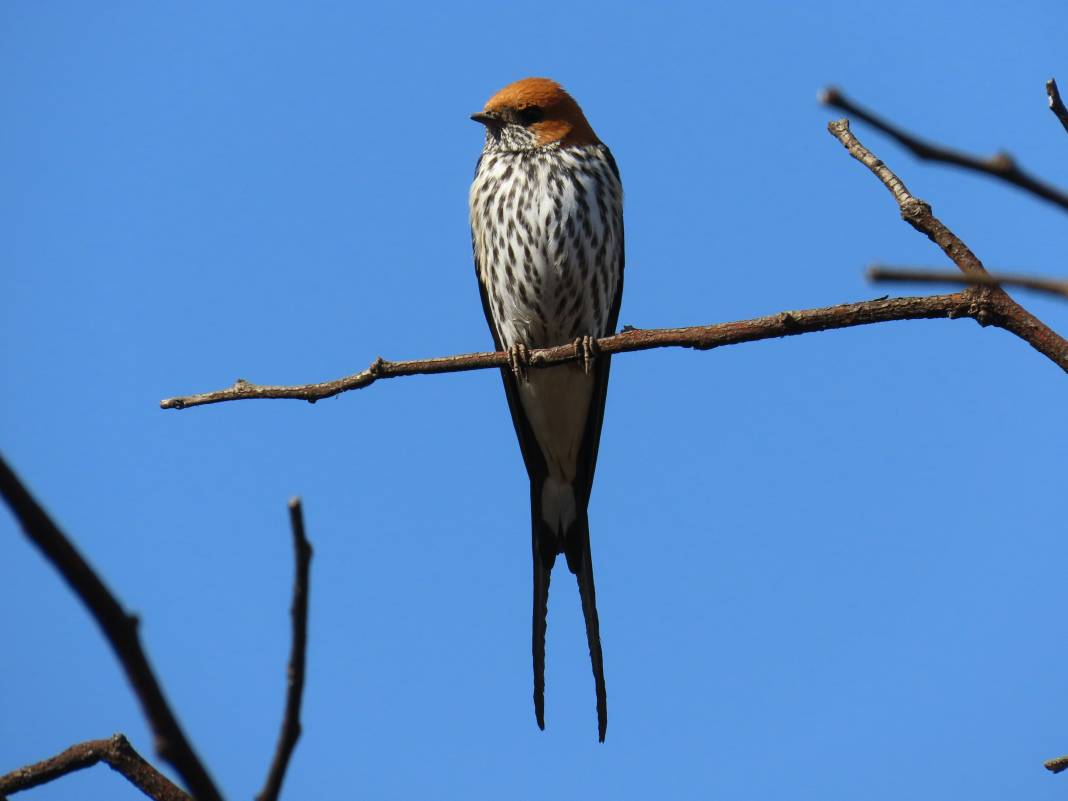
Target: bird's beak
487 118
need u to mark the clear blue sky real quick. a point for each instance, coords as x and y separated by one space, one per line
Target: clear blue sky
831 567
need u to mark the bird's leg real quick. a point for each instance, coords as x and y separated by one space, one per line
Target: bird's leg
586 348
519 360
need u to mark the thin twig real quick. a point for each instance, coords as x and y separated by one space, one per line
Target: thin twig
116 751
997 308
119 628
1056 105
1000 165
1052 286
1057 765
290 732
703 337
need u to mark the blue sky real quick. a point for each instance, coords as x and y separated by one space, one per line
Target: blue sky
828 567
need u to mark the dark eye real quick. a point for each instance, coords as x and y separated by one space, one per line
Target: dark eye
529 115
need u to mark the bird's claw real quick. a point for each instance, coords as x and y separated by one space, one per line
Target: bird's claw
586 349
519 360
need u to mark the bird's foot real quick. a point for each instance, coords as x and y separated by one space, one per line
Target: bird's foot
519 360
587 350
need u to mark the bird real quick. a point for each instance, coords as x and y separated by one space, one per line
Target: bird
546 208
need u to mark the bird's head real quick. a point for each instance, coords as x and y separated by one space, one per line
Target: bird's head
534 113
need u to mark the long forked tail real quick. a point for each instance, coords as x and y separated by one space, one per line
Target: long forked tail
576 547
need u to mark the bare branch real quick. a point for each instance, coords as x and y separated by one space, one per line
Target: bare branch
1052 286
119 628
290 733
1000 165
116 751
1057 765
997 307
1056 105
701 337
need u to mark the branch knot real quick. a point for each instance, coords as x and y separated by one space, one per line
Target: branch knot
982 306
1003 162
913 209
788 322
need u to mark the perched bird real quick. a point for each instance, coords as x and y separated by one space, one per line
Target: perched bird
547 233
